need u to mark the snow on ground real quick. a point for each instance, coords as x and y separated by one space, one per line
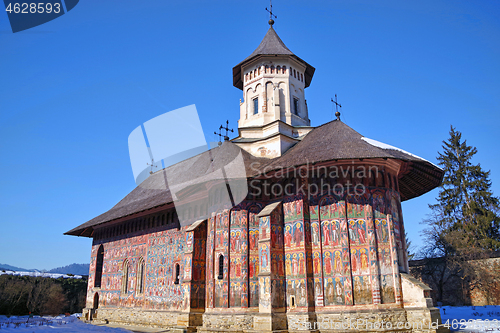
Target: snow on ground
63 324
472 319
37 274
477 319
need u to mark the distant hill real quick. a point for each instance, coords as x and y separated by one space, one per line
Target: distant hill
76 269
17 269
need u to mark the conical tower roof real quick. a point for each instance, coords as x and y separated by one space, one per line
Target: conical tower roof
270 45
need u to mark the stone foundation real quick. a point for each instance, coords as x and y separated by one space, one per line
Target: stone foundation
231 322
416 315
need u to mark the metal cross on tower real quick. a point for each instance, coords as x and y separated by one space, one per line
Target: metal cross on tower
271 21
226 138
337 114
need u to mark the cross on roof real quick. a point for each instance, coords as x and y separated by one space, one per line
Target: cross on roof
152 165
337 114
226 138
271 21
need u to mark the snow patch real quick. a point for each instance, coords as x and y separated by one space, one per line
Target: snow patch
386 146
40 274
67 324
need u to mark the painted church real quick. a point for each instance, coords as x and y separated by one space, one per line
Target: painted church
317 244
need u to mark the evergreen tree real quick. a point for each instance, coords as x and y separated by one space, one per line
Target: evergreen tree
466 216
463 225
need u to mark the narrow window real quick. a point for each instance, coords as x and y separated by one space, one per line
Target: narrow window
221 267
125 277
140 276
296 106
98 267
177 273
255 105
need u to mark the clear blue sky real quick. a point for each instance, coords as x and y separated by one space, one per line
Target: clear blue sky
73 89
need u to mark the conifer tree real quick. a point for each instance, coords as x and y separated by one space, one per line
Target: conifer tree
466 216
463 225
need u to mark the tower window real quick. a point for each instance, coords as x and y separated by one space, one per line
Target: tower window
255 105
296 106
221 267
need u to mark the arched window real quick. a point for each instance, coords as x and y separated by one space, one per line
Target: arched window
221 267
140 276
283 70
267 69
278 70
177 273
96 301
98 267
125 277
302 77
272 70
294 73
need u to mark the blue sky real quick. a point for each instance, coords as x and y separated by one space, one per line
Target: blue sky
73 89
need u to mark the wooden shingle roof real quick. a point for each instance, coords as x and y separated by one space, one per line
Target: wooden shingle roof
271 45
333 141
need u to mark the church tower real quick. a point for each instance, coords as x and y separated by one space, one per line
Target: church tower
273 111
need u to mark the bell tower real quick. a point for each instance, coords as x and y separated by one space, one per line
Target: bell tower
273 111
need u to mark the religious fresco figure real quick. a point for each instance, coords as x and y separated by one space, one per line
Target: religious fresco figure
298 234
281 265
315 233
238 268
238 242
328 263
295 265
302 268
361 232
335 233
364 259
288 264
354 260
338 263
326 234
352 231
378 205
317 262
329 291
298 205
288 237
264 257
339 291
